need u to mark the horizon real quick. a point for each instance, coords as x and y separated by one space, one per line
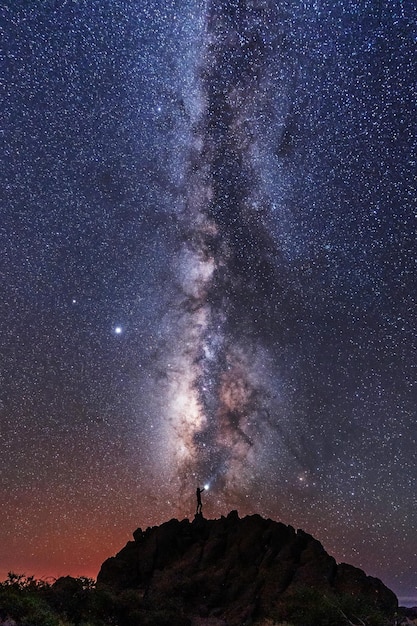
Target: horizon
405 600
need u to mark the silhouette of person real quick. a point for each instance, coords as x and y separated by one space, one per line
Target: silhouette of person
199 504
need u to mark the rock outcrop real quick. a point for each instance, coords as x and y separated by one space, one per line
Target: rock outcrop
237 570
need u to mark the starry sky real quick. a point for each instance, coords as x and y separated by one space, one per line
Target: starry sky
208 274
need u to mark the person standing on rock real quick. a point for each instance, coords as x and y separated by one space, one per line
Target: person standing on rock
199 504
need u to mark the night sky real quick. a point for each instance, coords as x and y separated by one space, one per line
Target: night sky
208 274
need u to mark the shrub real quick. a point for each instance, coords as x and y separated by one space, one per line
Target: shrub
306 606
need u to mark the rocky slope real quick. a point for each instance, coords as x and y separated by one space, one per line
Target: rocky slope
235 571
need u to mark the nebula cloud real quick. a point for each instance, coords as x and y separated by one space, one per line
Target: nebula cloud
223 402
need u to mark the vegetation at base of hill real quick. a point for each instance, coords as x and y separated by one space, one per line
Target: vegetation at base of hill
25 601
308 607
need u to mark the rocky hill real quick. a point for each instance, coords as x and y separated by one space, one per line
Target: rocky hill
234 571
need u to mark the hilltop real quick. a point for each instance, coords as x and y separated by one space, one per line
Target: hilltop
232 571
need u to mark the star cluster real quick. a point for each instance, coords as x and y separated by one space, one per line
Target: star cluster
208 261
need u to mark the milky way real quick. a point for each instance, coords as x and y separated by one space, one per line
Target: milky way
208 274
223 383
